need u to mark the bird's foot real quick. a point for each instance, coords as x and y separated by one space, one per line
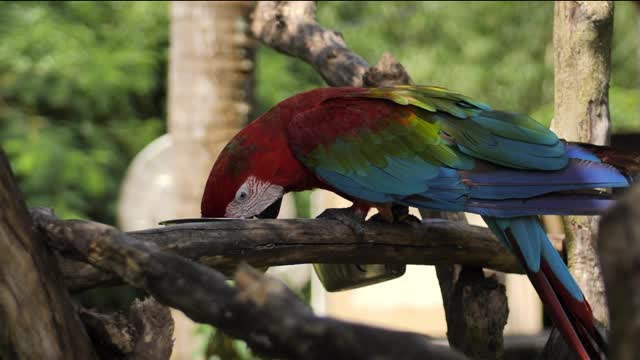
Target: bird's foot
337 277
397 214
351 217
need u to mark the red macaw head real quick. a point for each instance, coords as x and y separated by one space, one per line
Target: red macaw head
241 182
252 173
257 167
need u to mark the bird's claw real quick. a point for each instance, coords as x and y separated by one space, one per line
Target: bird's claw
407 220
400 216
336 277
348 217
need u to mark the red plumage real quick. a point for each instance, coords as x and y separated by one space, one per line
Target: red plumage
262 149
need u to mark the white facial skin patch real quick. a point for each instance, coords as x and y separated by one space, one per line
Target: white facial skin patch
252 197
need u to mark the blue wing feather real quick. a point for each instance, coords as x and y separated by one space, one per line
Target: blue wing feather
347 185
576 152
504 183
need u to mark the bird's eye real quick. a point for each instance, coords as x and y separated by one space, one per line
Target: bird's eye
242 194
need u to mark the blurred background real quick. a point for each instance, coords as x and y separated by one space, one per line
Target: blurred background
85 87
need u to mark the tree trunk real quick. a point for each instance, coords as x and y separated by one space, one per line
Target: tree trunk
476 306
210 89
210 100
37 316
619 243
582 42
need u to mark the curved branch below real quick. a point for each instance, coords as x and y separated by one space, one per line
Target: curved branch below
259 309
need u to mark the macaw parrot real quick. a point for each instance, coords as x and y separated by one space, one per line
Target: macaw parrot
427 147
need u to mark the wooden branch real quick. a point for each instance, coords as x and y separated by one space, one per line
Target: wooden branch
146 334
477 311
582 50
37 315
582 45
291 27
476 306
619 245
263 243
259 309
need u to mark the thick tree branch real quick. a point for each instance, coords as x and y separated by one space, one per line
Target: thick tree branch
475 305
263 243
145 334
37 317
260 310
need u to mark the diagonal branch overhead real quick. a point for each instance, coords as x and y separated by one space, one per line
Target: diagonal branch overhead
290 27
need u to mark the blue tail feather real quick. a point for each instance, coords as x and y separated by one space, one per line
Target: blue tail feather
534 245
560 269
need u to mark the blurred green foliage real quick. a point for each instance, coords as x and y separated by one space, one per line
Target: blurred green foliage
82 90
219 346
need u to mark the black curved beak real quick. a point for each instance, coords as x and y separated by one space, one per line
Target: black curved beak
272 211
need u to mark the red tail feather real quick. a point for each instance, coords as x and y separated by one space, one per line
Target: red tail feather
579 312
574 319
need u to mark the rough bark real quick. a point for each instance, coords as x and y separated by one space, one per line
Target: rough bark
582 46
210 99
210 89
291 27
619 245
37 315
145 334
259 310
476 306
262 243
476 310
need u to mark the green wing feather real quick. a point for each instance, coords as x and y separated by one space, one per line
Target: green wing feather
376 152
412 137
508 139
